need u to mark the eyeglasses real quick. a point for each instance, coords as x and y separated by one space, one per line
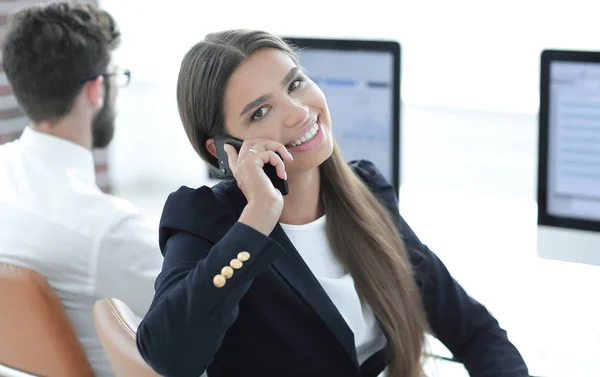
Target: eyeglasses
121 76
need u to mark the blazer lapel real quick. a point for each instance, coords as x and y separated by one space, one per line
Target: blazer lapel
294 270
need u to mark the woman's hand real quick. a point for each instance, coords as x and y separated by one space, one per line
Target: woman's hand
265 202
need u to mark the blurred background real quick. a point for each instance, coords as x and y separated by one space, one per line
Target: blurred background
470 89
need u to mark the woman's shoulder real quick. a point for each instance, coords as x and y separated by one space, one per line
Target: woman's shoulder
368 172
205 212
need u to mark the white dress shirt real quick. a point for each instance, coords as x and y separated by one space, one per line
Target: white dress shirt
311 242
88 244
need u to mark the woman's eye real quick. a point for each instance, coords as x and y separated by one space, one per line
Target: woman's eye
295 84
259 114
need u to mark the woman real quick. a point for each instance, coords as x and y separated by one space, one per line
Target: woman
326 281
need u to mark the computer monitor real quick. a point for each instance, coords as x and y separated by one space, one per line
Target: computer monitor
361 80
569 157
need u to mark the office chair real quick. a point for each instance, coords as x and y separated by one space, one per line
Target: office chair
36 336
116 326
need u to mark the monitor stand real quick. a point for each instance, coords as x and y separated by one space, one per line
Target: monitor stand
570 245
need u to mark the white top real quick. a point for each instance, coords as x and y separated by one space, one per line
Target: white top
89 245
311 242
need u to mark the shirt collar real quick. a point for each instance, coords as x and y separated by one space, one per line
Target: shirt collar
60 152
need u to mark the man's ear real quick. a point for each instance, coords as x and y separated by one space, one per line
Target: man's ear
210 147
94 92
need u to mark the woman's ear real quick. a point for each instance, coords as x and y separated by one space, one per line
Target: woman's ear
210 147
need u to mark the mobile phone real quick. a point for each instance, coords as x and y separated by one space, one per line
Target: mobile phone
270 171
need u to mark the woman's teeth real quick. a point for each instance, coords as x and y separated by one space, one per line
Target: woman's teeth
307 136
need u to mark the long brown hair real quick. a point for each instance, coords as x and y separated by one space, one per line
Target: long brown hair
360 230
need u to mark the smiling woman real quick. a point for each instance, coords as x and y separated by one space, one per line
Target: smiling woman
329 280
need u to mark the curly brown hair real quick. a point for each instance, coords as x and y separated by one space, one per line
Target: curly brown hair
50 50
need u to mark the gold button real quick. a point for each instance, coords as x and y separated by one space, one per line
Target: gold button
243 256
219 281
236 263
227 272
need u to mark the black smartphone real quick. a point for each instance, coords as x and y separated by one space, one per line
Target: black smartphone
270 171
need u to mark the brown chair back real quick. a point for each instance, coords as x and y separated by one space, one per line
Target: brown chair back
36 336
116 326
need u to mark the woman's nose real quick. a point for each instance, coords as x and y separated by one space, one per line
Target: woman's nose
295 112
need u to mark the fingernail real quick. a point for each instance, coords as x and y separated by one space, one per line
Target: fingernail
291 157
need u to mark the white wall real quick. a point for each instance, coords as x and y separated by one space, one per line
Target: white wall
458 53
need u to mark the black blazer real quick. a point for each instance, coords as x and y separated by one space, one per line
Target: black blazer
272 318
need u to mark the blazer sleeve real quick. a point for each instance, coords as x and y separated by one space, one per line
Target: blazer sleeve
462 324
189 315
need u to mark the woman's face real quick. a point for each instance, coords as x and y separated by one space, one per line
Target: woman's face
268 96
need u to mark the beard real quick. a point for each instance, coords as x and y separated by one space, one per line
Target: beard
103 124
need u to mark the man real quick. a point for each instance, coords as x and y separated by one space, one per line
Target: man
53 217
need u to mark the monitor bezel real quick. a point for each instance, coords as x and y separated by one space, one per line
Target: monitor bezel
547 58
390 46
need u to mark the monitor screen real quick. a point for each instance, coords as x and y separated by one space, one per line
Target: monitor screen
570 140
361 81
